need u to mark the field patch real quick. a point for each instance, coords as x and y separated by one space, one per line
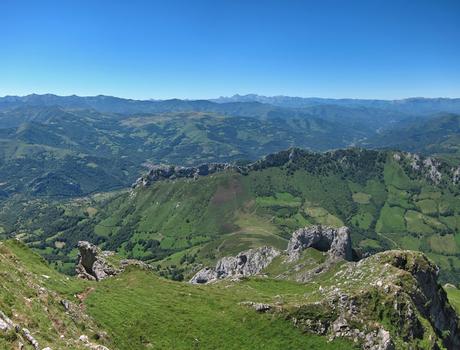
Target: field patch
416 223
362 220
280 199
321 216
443 244
391 220
428 206
361 198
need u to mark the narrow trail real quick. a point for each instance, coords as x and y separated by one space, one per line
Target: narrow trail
396 245
83 295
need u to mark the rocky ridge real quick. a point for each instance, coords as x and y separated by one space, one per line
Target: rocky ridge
171 172
432 169
391 300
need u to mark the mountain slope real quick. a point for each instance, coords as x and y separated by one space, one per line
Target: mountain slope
380 301
390 200
438 136
55 150
136 310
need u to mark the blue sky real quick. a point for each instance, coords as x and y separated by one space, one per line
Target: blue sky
200 49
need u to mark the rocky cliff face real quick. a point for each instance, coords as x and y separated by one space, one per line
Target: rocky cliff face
432 169
247 263
336 242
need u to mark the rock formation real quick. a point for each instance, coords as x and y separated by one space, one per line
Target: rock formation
427 294
92 263
336 242
400 286
247 263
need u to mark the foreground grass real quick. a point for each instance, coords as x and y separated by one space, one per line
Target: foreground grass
140 310
143 311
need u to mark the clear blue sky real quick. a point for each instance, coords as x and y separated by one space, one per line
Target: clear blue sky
202 49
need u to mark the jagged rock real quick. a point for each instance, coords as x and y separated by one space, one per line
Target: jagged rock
30 339
92 264
205 275
67 304
336 242
247 263
6 324
456 175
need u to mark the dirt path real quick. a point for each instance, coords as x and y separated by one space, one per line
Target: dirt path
388 239
82 297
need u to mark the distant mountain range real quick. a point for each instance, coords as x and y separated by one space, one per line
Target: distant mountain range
415 105
71 146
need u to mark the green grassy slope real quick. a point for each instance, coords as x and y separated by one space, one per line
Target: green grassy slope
139 310
30 294
143 311
454 297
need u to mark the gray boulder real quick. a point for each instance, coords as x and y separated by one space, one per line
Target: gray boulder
247 263
92 263
336 242
205 275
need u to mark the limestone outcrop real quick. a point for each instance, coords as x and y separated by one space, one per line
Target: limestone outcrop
336 242
247 263
92 263
427 294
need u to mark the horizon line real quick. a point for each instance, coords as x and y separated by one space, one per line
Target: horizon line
232 96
